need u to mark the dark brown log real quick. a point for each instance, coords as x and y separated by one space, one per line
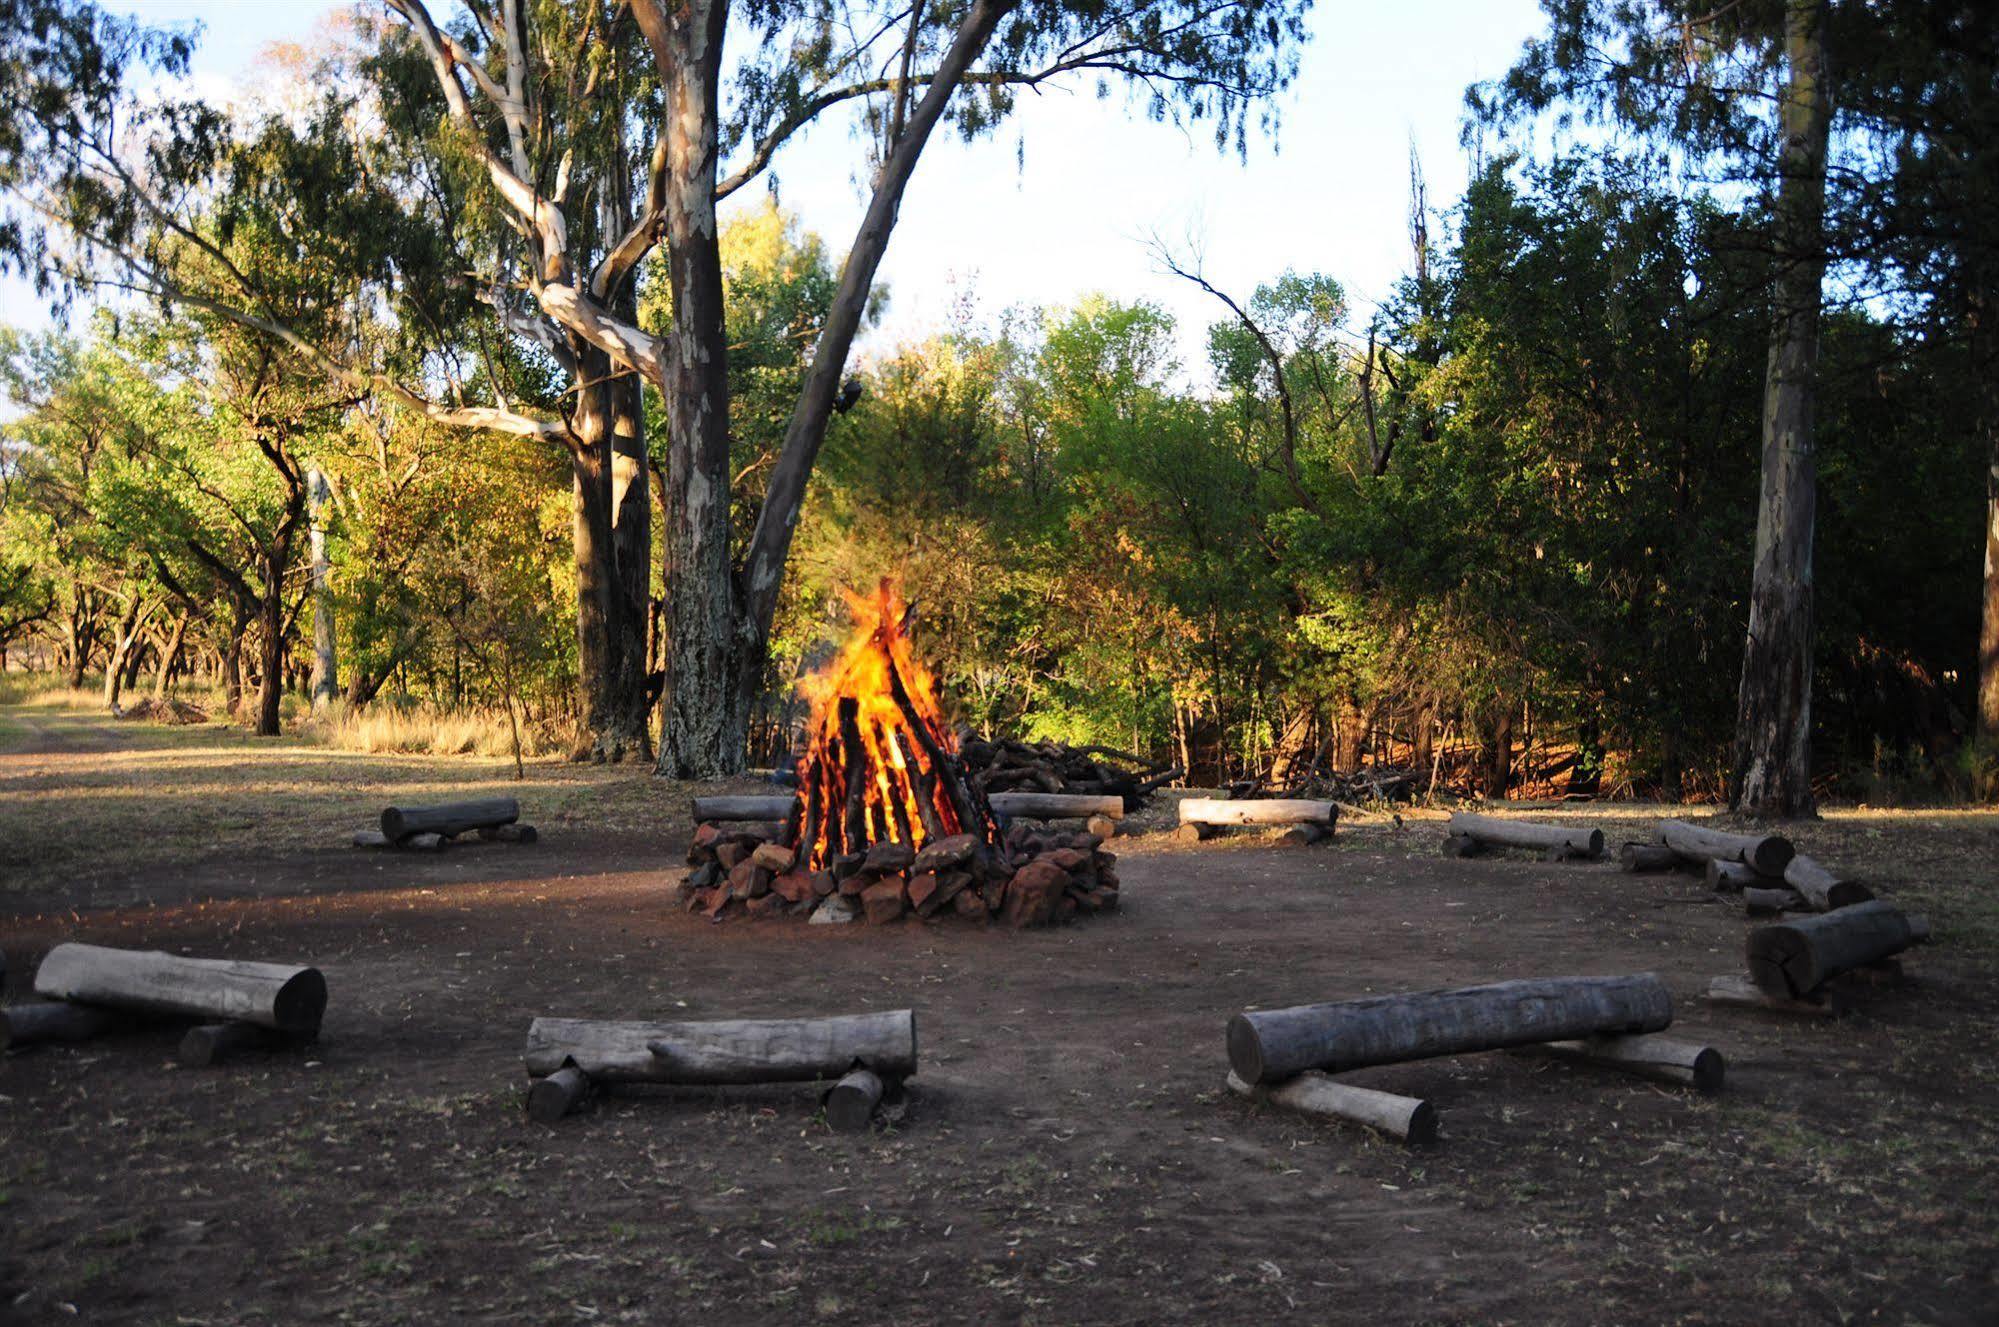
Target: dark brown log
1828 1002
854 763
1662 1058
714 810
1055 806
1262 811
450 819
510 834
1648 857
1312 1093
851 1102
1731 877
1771 902
291 999
1821 888
926 790
1768 854
1505 833
1460 845
1796 958
210 1043
552 1097
55 1020
1194 833
1304 836
764 1051
1266 1046
968 806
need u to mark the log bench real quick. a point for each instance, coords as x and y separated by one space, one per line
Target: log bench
1471 834
433 828
1304 820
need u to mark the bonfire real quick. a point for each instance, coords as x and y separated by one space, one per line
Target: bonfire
884 821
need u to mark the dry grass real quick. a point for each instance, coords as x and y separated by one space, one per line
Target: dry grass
428 730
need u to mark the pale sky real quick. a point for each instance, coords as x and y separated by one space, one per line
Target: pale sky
1061 201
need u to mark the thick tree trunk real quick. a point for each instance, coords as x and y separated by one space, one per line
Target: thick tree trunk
270 661
170 655
594 543
325 640
232 659
122 646
1985 370
1774 704
1499 753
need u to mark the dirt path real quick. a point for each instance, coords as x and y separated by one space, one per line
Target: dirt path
1069 1154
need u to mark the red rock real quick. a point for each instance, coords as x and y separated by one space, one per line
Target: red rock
764 905
822 883
792 887
954 850
884 900
1032 894
1066 908
853 885
1069 859
922 888
775 858
889 858
731 855
969 904
718 899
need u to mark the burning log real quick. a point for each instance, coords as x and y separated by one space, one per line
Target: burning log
289 999
450 820
1266 1046
725 1052
1493 831
1410 1119
1793 959
1768 854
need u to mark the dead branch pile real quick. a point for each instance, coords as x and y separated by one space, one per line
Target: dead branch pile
1002 765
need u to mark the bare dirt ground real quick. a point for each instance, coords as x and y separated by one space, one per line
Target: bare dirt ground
1069 1153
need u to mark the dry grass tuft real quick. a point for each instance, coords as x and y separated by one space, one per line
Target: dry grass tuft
426 730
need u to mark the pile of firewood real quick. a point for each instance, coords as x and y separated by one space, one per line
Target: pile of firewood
997 765
1035 877
1377 783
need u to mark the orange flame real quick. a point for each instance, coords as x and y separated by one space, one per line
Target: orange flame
879 762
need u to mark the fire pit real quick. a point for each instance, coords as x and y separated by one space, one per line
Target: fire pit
884 822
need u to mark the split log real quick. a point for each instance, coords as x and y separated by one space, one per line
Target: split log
756 807
55 1020
851 1102
451 819
1648 857
1769 854
510 834
1740 991
1731 877
1495 830
1796 958
375 838
1104 827
1771 902
1664 1058
1821 888
1266 811
1055 806
1410 1119
555 1096
1266 1046
761 1051
273 995
211 1043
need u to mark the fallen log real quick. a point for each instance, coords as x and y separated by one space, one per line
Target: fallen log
1742 992
1821 888
375 838
760 1051
272 995
1460 845
1495 831
1194 833
211 1043
1055 806
1731 877
510 834
1768 854
1304 836
1267 1046
553 1097
1796 958
55 1020
450 819
1219 811
1664 1058
752 807
1772 902
851 1102
1648 857
1410 1119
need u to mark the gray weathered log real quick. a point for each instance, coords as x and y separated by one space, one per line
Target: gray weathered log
1256 811
450 819
1410 1119
851 1102
753 807
1266 1046
1740 991
1795 958
1821 888
1772 902
554 1096
55 1020
1501 832
375 838
1055 806
273 995
1731 877
747 1051
1664 1058
1767 854
210 1043
1648 857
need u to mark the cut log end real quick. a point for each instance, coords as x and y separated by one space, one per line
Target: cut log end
851 1103
557 1095
1102 826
